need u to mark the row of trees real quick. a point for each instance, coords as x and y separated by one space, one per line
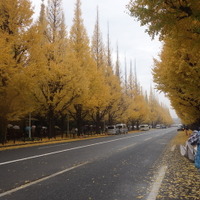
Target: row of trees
177 71
53 74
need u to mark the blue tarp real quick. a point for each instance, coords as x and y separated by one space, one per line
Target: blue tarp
197 157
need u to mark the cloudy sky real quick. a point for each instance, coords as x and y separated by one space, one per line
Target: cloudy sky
133 42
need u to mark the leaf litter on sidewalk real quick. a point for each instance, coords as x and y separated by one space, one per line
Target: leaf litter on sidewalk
182 179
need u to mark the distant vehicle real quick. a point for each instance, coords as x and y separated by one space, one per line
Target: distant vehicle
112 130
144 127
180 127
158 126
163 126
122 128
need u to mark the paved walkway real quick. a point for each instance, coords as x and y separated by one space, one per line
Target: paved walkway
182 179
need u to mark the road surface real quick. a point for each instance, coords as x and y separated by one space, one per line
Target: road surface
111 168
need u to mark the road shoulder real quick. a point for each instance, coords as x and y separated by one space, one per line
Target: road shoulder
182 179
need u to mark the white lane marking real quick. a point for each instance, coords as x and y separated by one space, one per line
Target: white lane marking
40 180
157 184
65 150
147 139
47 147
173 147
126 147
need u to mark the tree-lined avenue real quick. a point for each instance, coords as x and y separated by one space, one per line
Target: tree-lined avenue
116 165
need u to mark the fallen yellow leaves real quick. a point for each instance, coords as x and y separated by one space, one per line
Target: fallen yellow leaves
182 180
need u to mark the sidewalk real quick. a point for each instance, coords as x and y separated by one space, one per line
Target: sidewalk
182 179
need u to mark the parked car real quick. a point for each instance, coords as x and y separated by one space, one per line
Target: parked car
158 126
144 127
122 128
112 130
163 126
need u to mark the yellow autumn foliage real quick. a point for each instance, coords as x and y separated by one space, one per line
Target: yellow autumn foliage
50 74
177 71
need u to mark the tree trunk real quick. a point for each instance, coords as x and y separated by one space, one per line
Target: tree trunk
133 125
110 119
79 118
98 122
3 130
51 123
79 123
137 125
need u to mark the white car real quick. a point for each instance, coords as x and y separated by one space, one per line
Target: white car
144 127
122 128
158 126
112 130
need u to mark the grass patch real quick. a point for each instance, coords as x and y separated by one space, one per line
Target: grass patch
181 137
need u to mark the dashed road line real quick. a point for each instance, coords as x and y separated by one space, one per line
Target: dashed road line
126 147
147 139
40 180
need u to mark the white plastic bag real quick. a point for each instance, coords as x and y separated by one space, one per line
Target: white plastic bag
188 151
183 150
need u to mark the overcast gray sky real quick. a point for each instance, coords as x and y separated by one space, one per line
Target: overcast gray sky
132 40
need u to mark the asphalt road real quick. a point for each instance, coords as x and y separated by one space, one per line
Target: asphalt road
111 168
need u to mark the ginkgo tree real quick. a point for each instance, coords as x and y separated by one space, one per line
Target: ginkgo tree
178 77
102 94
15 24
55 81
177 71
50 73
92 78
166 17
138 107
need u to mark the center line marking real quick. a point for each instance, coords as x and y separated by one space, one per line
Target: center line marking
132 145
156 186
148 139
40 180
